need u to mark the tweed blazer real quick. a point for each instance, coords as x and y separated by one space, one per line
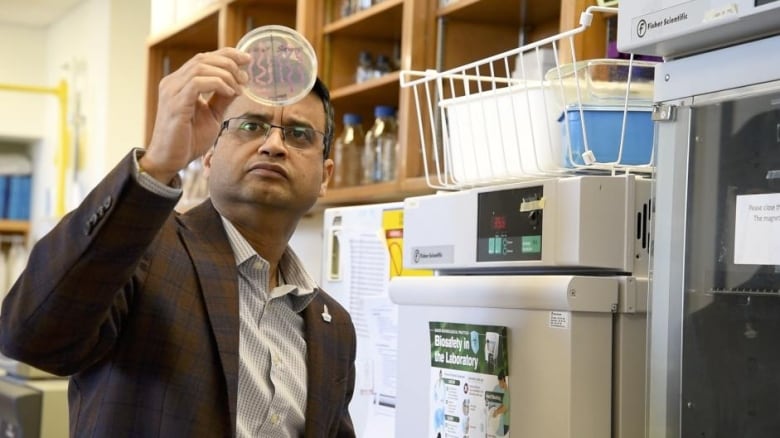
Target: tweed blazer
139 306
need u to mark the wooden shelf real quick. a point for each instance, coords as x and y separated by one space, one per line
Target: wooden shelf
416 185
514 13
14 227
265 3
378 21
386 85
372 193
245 15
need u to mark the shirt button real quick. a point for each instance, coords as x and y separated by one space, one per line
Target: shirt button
275 419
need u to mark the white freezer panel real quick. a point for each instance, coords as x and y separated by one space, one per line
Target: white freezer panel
541 292
559 377
430 238
587 222
356 273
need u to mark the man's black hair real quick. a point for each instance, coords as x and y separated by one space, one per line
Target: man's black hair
321 90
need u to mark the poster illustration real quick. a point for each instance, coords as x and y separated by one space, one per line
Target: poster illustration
469 381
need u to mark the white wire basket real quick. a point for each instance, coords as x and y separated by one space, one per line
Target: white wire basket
521 115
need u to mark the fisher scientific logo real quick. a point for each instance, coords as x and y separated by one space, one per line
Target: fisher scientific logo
643 26
433 254
419 255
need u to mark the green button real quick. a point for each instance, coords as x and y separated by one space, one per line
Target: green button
532 244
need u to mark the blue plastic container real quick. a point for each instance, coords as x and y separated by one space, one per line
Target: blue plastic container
603 127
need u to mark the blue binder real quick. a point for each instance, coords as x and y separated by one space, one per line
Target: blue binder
19 190
3 195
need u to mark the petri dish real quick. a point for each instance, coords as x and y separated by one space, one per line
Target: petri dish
283 67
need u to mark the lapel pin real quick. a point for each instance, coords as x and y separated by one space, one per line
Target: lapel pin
325 315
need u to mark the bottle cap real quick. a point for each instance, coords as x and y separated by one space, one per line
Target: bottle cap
283 67
352 119
384 111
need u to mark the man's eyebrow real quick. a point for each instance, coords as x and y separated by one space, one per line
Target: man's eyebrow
292 120
264 117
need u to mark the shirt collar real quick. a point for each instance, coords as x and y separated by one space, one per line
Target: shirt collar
295 280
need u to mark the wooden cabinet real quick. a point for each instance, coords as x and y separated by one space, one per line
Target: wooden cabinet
399 30
218 25
418 34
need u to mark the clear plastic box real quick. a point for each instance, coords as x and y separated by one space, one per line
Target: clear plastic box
604 82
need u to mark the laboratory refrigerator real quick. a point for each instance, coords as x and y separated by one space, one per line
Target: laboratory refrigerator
714 368
535 322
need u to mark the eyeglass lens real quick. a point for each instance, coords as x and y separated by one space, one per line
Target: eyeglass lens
249 129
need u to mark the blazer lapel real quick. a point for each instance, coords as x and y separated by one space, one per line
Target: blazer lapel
204 236
320 369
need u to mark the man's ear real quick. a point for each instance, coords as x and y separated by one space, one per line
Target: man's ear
327 172
206 160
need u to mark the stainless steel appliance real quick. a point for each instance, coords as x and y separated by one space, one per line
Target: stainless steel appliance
33 407
714 369
33 403
559 264
675 28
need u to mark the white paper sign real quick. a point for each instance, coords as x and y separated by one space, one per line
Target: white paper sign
757 230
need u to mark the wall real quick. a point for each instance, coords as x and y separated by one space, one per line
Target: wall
99 48
23 53
22 114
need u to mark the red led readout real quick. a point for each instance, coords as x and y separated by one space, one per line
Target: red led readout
499 222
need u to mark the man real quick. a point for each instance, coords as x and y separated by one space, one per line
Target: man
201 324
502 411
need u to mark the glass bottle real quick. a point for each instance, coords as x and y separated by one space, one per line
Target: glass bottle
365 68
347 8
381 145
363 4
347 151
382 66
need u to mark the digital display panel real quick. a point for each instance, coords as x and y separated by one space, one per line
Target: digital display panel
507 228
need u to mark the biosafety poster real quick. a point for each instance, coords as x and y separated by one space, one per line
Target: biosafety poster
469 381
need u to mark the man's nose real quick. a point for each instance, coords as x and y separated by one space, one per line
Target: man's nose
274 142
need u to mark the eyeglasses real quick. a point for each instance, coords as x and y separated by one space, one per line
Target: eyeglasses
247 129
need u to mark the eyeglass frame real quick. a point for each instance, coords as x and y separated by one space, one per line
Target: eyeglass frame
268 128
321 90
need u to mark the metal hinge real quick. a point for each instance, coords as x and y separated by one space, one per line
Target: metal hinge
664 112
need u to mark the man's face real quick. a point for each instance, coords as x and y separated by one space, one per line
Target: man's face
245 168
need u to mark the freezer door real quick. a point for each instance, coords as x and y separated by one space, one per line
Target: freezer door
730 360
560 335
715 369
